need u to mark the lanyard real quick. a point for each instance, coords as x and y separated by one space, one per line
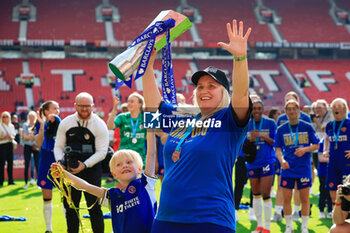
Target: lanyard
188 132
296 133
336 135
134 126
257 139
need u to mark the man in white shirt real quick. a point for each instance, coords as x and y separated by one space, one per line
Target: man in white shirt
86 135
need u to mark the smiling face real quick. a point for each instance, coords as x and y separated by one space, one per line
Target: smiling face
83 106
339 110
209 94
293 112
125 168
53 109
321 109
134 104
257 111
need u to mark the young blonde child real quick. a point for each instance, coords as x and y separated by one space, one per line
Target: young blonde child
133 205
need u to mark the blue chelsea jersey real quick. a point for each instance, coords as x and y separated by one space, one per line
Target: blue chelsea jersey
298 166
198 187
283 118
48 144
265 152
133 210
337 154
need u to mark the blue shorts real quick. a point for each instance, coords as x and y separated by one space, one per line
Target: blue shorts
267 170
336 175
278 168
174 227
289 183
46 159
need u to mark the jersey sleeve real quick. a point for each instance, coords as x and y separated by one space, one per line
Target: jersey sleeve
150 183
272 129
312 135
166 109
106 199
118 121
278 139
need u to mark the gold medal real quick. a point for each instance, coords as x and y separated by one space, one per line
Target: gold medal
176 156
258 147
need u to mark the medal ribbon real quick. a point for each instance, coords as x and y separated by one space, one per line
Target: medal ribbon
257 139
336 135
296 133
188 132
168 81
134 126
150 34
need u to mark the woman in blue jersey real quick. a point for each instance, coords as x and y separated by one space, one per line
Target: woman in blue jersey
197 193
277 217
46 128
337 146
297 139
260 172
325 198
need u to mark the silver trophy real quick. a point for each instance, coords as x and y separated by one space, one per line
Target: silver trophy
125 63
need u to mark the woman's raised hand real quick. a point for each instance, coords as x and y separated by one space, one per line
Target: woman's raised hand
238 43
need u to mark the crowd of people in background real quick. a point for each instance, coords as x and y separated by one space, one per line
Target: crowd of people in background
196 164
321 130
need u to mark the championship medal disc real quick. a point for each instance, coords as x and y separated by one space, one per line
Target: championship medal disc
176 156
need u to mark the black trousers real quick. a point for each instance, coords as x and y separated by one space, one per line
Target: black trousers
28 151
6 155
92 176
325 197
240 180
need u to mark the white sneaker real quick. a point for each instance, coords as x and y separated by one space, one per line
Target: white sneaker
321 215
304 230
276 218
295 217
32 181
237 217
25 186
251 215
330 215
289 229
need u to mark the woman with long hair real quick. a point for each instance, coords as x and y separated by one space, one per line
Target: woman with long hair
46 128
7 135
30 147
132 133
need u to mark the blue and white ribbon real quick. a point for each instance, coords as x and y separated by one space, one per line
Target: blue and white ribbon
150 34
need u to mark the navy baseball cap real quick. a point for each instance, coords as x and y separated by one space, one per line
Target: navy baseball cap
215 73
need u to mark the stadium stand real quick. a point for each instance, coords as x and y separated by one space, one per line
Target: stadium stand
78 22
298 20
8 29
16 94
213 30
308 21
328 79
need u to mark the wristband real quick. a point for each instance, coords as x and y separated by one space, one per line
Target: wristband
338 204
240 58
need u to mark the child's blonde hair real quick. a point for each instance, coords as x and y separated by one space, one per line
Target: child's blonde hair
126 153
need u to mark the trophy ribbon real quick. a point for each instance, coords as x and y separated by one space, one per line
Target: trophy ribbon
168 81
